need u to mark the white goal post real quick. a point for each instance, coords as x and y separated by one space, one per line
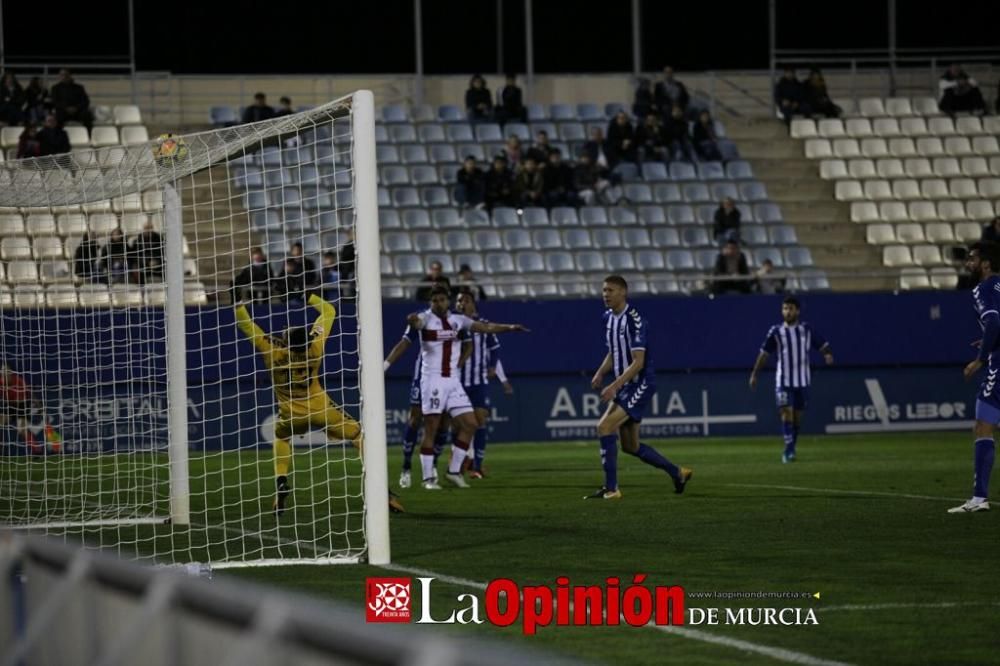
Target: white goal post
141 412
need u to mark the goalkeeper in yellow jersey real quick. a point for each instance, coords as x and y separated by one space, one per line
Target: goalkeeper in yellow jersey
293 360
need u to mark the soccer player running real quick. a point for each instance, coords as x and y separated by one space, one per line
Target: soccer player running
440 385
477 371
294 361
626 334
792 341
984 266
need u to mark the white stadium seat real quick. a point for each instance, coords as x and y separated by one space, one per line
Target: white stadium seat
914 278
897 255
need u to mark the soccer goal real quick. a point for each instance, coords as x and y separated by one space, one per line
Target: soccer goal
135 414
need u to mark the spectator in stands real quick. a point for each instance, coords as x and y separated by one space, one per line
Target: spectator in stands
514 151
478 101
510 103
347 259
113 264
620 145
71 102
952 75
499 184
85 259
259 110
588 182
597 150
727 221
285 109
292 282
307 264
11 100
528 186
254 281
677 137
147 248
435 276
670 92
789 96
731 262
53 139
466 282
816 96
963 97
558 188
330 277
28 144
470 184
15 401
644 102
649 136
767 282
991 230
706 141
541 149
36 101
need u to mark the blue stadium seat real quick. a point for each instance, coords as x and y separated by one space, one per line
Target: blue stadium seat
654 171
395 175
499 263
405 196
270 156
386 155
457 241
649 260
316 198
565 216
711 171
590 261
782 234
516 290
248 178
473 150
621 216
414 153
473 260
476 219
666 237
423 113
722 190
799 257
428 241
547 290
562 112
559 261
384 201
381 134
611 109
577 239
772 253
449 113
547 239
814 280
395 113
261 220
664 286
404 133
667 193
388 219
488 132
424 175
590 112
682 171
536 112
435 195
397 241
638 193
705 214
767 212
487 239
447 175
286 197
223 116
754 235
416 218
517 239
635 238
408 265
694 237
696 192
626 171
520 130
276 177
652 215
739 170
309 175
619 261
607 239
680 215
431 133
572 131
446 218
549 129
530 262
704 260
753 191
593 216
575 289
535 217
505 217
679 260
296 155
728 150
459 133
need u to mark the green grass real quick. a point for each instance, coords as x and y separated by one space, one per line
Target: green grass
746 523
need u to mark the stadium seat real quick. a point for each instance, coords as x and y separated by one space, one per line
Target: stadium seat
951 211
893 211
783 234
55 270
798 257
635 238
666 237
946 167
487 239
627 172
516 239
871 107
536 112
849 190
939 232
898 106
449 113
679 260
913 278
408 265
78 136
889 168
958 146
394 175
94 295
572 131
550 239
934 188
431 133
979 210
592 112
423 113
874 148
15 247
927 255
767 213
48 247
922 211
697 192
861 169
559 261
543 126
622 216
897 256
654 171
833 169
649 260
638 193
753 191
905 189
679 215
529 262
562 112
416 219
520 130
985 145
774 254
902 147
963 188
857 128
880 234
667 193
427 241
446 218
976 167
720 191
10 137
968 232
711 171
941 126
63 296
457 240
803 128
739 170
754 235
664 286
402 133
620 261
590 261
223 116
577 239
104 135
11 224
133 135
831 128
386 154
930 146
918 167
886 127
388 219
683 171
943 277
395 113
650 215
846 148
989 188
607 239
414 153
22 271
864 211
694 237
435 196
396 242
910 233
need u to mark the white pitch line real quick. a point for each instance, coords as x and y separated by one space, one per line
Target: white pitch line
936 498
779 654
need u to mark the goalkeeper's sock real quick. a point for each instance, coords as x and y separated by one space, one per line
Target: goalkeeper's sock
409 443
985 454
479 449
459 451
651 456
440 441
282 457
427 465
788 430
609 459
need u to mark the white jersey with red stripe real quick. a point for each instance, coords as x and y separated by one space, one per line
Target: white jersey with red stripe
441 342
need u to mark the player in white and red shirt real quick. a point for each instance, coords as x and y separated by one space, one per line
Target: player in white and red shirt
441 383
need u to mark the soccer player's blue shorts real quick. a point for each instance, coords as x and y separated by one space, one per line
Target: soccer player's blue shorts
796 398
415 391
988 400
634 397
479 395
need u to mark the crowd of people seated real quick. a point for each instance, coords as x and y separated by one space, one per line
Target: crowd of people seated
808 97
44 112
464 282
118 261
261 110
298 276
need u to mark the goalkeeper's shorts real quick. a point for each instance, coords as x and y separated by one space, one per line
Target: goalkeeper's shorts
296 417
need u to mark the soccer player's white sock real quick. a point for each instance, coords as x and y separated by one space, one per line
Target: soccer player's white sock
457 458
427 465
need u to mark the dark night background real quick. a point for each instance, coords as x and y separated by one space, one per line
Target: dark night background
300 36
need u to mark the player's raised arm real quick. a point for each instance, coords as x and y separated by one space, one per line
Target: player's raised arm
250 329
323 324
484 327
396 352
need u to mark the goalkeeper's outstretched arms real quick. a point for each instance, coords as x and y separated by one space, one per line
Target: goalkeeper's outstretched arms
249 328
323 324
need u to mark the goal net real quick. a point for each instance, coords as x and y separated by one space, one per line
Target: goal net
167 346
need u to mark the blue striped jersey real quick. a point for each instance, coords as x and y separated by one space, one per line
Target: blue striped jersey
484 356
792 344
986 296
413 335
623 334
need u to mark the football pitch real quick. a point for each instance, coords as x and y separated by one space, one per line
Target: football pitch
861 520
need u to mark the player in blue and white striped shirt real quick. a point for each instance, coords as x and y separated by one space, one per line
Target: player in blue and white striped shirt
626 334
476 373
792 341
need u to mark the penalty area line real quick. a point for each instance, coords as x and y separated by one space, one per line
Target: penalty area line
778 654
875 493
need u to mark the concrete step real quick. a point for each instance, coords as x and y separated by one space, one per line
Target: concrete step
848 255
753 149
799 189
829 211
740 129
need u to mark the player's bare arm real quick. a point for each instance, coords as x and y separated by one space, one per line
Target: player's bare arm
598 378
761 360
633 369
827 353
484 327
396 352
